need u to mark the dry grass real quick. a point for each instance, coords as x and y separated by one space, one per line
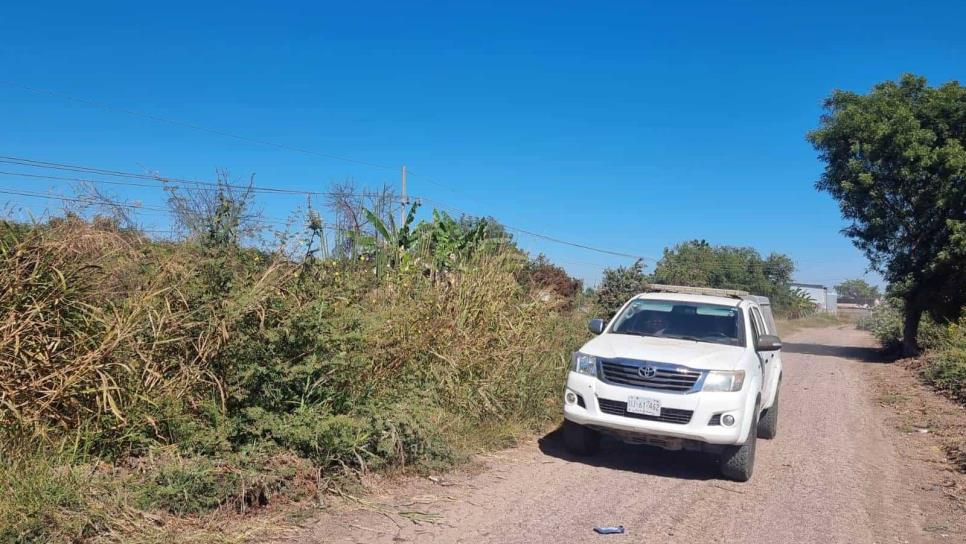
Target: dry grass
148 389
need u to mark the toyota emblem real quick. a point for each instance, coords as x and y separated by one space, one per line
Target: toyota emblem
647 371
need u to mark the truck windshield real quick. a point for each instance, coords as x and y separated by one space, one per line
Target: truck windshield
683 320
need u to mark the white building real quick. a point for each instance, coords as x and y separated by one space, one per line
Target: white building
824 298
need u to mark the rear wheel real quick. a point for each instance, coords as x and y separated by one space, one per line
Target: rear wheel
738 462
580 440
768 426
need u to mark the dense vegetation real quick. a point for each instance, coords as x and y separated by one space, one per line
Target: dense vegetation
944 363
142 378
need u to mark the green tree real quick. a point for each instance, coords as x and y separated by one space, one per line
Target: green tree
698 263
619 284
857 291
896 163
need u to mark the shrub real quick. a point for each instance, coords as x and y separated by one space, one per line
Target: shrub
189 486
945 360
543 276
885 324
946 367
192 368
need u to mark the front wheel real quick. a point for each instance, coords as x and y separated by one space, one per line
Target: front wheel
738 462
768 426
580 440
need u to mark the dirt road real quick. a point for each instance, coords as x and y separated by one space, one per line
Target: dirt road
837 472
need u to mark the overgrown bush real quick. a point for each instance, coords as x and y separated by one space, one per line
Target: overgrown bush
885 323
549 279
945 345
192 367
946 368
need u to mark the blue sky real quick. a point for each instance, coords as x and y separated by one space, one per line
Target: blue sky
629 126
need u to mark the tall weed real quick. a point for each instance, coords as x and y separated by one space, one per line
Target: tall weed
191 368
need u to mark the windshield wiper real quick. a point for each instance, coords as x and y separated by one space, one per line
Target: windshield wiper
637 334
685 337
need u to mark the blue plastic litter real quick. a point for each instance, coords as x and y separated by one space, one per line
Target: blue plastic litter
610 530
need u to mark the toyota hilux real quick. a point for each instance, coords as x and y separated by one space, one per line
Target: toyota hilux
679 368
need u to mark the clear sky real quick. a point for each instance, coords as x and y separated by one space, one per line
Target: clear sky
625 125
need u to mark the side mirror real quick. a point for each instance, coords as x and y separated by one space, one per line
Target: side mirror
596 326
768 342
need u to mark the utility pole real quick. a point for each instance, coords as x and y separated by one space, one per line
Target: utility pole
404 200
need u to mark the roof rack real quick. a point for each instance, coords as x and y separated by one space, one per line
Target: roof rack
687 290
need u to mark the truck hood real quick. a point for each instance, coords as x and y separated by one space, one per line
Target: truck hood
700 355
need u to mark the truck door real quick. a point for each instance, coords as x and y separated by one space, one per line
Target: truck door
767 358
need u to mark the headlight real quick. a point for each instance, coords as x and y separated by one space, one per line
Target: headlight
584 364
724 380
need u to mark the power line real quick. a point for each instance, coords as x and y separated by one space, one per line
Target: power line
542 236
149 208
193 126
184 124
137 207
219 132
261 189
101 171
31 163
93 201
83 180
80 200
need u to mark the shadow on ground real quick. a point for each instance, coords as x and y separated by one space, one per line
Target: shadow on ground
617 455
855 353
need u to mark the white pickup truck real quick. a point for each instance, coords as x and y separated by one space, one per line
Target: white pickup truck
679 368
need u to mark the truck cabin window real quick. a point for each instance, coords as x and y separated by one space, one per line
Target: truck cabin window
682 320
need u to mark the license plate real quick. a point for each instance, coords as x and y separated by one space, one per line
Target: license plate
644 406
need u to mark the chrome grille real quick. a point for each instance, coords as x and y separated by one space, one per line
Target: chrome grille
668 415
666 378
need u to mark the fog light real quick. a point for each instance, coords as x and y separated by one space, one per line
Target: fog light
728 420
570 397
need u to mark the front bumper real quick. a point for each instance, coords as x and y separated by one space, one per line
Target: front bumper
702 405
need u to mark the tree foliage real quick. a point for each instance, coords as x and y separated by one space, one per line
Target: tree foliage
857 291
619 284
895 159
698 263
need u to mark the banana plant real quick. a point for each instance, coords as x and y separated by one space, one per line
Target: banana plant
391 244
451 242
801 305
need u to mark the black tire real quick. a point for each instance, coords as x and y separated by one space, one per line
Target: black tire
768 425
738 462
580 440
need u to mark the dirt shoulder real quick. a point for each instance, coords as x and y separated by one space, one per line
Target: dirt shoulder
929 428
842 469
